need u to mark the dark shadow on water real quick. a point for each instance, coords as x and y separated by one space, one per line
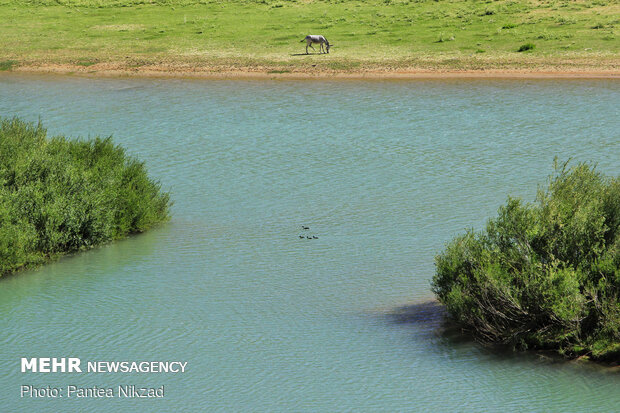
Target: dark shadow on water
428 312
431 318
430 321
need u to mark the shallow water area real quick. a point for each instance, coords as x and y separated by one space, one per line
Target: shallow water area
383 173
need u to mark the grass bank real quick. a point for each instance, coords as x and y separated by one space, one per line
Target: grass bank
59 195
543 275
264 36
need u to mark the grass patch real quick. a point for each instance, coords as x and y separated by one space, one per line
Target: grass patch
279 71
59 195
86 62
445 38
562 20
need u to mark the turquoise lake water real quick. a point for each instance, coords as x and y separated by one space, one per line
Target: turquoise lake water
383 172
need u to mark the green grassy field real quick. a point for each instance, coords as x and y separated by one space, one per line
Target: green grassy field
265 35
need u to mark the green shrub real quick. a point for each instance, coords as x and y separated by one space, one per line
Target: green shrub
525 47
7 65
544 275
59 195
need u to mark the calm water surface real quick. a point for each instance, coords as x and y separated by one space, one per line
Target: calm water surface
384 173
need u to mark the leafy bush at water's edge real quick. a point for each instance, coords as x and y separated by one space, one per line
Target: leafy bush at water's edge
59 195
543 275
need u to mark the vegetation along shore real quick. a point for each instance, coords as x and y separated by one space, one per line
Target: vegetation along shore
59 195
263 36
544 275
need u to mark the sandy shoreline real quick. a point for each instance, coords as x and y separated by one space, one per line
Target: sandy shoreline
303 74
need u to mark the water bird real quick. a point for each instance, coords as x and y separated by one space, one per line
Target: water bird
315 237
301 236
305 227
308 237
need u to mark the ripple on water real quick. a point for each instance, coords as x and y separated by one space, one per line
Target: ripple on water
384 173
